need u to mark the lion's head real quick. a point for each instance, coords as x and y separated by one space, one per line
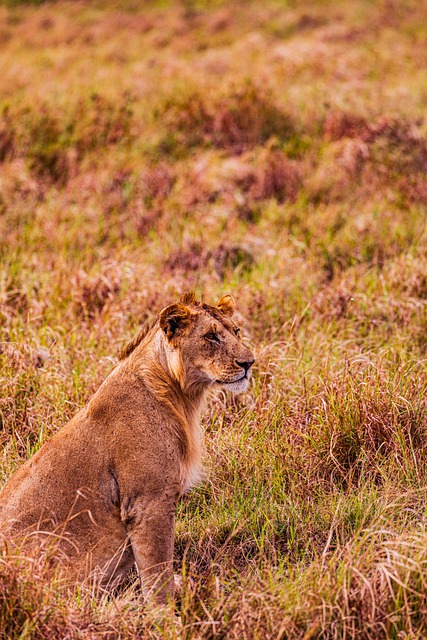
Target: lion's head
203 344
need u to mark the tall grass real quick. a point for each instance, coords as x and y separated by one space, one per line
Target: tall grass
276 151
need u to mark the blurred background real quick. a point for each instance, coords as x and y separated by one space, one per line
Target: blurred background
277 151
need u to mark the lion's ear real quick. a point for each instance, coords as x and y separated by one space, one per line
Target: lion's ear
174 318
227 305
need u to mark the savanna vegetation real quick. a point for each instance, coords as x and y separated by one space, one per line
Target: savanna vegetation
275 150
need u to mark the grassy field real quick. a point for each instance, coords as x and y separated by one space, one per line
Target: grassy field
275 150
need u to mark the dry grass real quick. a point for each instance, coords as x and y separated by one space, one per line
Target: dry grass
277 152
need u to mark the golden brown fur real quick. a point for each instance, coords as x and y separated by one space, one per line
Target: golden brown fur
107 484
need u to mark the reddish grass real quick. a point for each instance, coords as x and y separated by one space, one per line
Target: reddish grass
276 153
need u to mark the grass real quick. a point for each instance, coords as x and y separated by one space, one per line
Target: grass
276 151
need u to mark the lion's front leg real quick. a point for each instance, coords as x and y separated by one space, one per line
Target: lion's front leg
152 537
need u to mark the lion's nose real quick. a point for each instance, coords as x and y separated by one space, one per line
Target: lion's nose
245 365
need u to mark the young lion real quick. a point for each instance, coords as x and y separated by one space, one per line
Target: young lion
106 486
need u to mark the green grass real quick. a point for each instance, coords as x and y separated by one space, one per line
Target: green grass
276 151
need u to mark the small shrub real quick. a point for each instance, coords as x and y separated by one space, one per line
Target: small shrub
7 141
376 153
275 176
92 294
54 141
227 257
224 258
191 258
234 119
116 193
155 184
45 146
340 124
99 122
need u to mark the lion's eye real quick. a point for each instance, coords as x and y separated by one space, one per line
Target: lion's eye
212 337
237 331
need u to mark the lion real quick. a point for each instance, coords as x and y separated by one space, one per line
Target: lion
105 487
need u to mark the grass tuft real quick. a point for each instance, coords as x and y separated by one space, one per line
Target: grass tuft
237 118
277 153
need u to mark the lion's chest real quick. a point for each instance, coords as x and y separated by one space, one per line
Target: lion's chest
191 465
191 475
